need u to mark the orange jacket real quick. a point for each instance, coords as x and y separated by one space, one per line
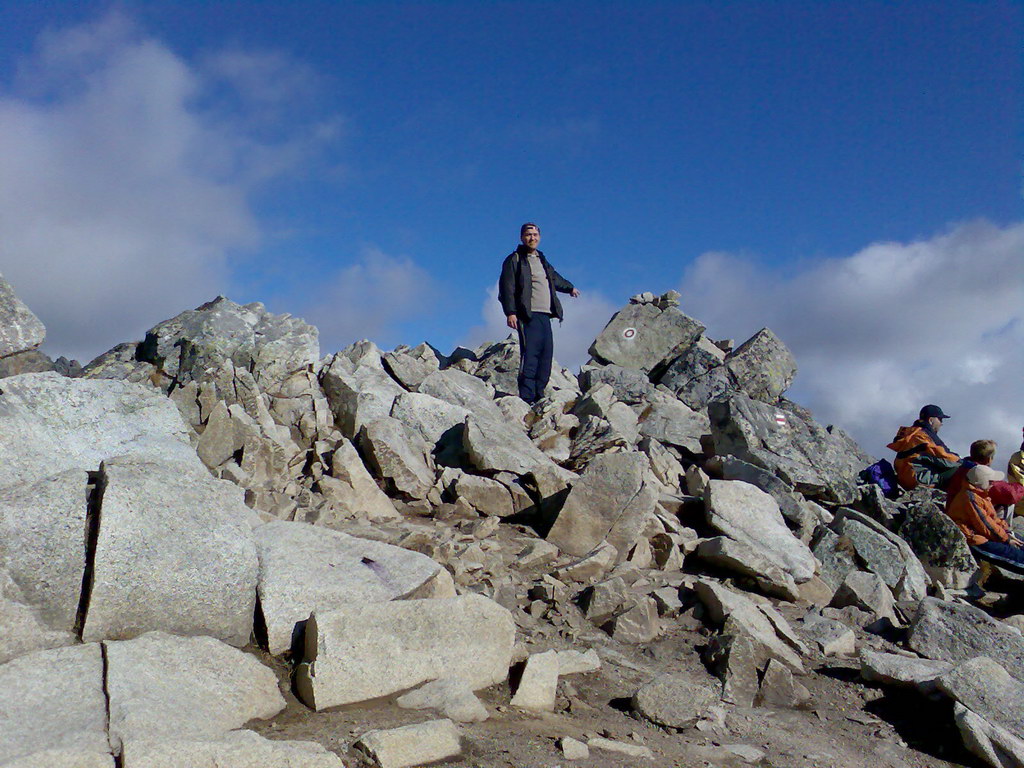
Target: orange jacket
974 514
910 442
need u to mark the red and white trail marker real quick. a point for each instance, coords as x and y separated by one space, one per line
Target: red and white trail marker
780 418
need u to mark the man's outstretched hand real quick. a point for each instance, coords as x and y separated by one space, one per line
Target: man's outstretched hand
574 293
513 322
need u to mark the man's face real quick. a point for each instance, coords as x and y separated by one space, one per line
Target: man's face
935 423
531 238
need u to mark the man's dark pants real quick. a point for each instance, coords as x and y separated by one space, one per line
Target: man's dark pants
536 348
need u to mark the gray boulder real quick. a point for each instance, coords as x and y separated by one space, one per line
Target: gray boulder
884 553
174 552
20 330
357 396
42 559
816 461
643 335
898 669
451 697
410 367
751 562
939 544
431 418
690 374
367 650
802 515
762 366
165 687
670 422
272 347
613 501
54 711
305 568
399 456
986 689
995 745
411 745
629 385
51 424
493 446
749 515
675 701
836 557
464 390
235 749
350 487
866 591
956 632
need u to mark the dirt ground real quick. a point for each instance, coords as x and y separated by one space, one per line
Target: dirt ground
848 724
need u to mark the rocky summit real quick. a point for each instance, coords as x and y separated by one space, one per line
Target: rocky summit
219 547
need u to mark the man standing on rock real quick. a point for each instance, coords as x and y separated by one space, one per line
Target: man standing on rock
526 291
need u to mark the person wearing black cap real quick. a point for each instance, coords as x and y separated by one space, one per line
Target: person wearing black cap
921 456
526 290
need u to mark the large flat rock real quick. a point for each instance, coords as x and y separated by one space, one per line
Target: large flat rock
237 749
749 515
42 560
50 424
986 689
54 712
164 687
20 329
957 632
305 568
368 650
174 552
612 501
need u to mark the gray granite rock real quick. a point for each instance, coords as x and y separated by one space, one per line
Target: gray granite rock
675 701
760 622
866 591
671 422
174 552
398 456
54 711
539 683
629 385
51 424
411 745
799 513
613 501
816 461
833 638
166 687
986 689
236 749
836 556
430 417
449 696
20 329
957 632
749 515
42 559
306 568
493 446
762 366
746 560
939 544
996 746
272 347
641 336
898 669
780 689
365 651
357 395
884 553
351 487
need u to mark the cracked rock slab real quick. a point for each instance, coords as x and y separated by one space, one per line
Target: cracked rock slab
174 553
163 687
42 559
237 749
54 712
411 745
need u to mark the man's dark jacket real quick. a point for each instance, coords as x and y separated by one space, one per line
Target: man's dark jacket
515 286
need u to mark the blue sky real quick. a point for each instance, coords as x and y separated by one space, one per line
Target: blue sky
367 165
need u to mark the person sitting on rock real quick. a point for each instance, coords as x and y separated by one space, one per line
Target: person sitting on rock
971 508
921 456
980 474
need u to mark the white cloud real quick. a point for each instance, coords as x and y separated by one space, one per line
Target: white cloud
585 317
125 181
894 326
368 299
